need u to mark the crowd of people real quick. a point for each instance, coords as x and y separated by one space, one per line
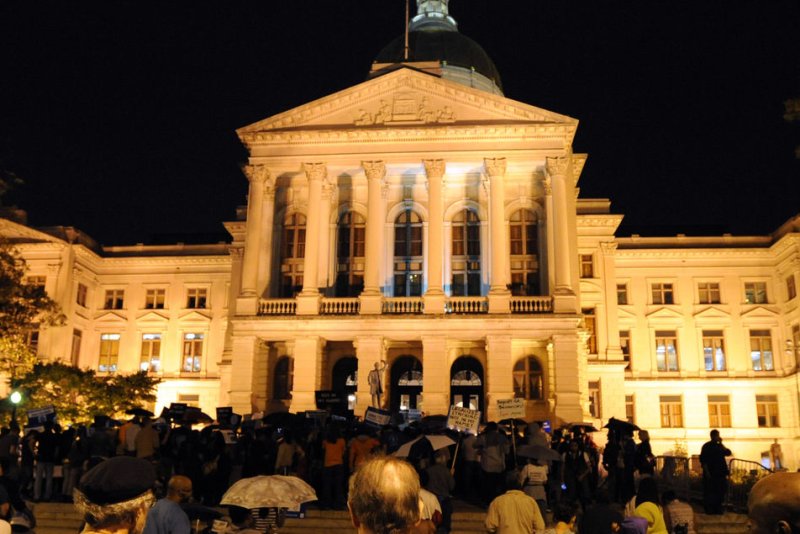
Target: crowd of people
524 476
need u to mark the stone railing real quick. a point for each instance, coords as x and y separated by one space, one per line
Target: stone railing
466 305
531 304
339 306
277 306
402 305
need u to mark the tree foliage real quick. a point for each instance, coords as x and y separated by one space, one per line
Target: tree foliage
80 394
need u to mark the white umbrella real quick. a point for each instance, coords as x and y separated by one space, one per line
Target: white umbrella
437 442
275 491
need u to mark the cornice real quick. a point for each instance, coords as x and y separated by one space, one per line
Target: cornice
593 221
624 253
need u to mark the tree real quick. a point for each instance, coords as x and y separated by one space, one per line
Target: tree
79 394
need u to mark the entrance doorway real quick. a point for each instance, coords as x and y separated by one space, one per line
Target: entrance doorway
406 384
344 379
466 383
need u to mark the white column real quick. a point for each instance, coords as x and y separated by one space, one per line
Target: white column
499 295
371 296
550 234
564 299
369 351
435 375
324 262
499 373
258 175
569 379
434 296
241 380
309 298
265 246
307 357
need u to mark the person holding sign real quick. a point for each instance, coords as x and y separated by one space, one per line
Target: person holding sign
374 381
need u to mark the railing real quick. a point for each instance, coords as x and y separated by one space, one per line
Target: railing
402 305
466 305
744 474
339 306
674 473
531 304
277 306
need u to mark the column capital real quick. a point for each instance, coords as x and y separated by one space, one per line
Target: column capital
547 181
495 167
256 173
434 168
375 169
557 166
609 248
315 170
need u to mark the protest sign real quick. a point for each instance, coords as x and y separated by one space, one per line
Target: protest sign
510 408
39 416
463 419
330 400
224 414
376 417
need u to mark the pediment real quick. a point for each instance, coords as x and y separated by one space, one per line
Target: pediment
110 318
195 317
19 233
759 312
625 315
712 312
406 98
665 314
152 318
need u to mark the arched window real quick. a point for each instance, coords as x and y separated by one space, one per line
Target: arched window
528 379
350 255
283 380
524 251
293 250
466 258
408 255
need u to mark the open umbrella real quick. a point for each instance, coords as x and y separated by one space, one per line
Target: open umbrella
545 454
587 427
621 426
141 412
195 415
436 441
274 491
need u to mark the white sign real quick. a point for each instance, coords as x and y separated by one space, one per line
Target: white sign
377 417
510 408
463 419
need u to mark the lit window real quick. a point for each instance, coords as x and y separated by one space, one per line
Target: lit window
708 293
719 411
80 296
587 265
666 350
196 297
524 253
713 350
630 409
109 353
408 255
115 299
761 350
350 255
625 345
590 323
293 252
755 292
767 410
466 255
671 411
662 293
192 353
791 288
528 379
283 380
622 294
594 399
150 360
154 299
36 281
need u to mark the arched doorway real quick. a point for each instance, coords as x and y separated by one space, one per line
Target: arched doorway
344 379
466 383
406 384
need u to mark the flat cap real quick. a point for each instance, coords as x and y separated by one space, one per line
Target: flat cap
117 479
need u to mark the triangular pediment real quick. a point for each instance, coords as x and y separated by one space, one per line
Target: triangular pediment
195 317
665 314
111 319
406 98
15 232
625 315
152 318
759 312
712 312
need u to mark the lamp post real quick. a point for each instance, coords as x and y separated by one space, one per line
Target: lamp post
15 398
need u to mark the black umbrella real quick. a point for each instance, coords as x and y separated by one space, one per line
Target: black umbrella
198 512
141 412
283 419
433 423
620 426
195 415
586 427
545 454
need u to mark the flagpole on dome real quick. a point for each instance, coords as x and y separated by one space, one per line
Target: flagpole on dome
405 48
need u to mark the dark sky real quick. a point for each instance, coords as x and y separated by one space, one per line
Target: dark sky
120 116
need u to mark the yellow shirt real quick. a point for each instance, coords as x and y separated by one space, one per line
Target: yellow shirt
514 513
655 519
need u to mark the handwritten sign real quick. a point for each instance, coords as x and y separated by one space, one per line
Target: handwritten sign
509 408
463 419
377 418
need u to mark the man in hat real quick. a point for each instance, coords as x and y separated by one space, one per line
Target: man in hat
773 505
115 495
167 516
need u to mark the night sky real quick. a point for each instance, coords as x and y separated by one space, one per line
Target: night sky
120 116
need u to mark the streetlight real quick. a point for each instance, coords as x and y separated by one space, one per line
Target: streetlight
15 398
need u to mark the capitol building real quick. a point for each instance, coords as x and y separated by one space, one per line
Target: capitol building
424 222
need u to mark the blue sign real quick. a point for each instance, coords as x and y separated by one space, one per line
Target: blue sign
546 426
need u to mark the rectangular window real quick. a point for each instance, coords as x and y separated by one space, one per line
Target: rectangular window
671 411
791 287
109 353
36 281
708 293
755 292
594 399
719 411
714 350
75 353
80 296
630 409
32 338
154 299
587 266
662 293
761 350
150 360
625 345
767 410
189 399
192 353
796 344
666 350
622 294
115 298
590 323
196 297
